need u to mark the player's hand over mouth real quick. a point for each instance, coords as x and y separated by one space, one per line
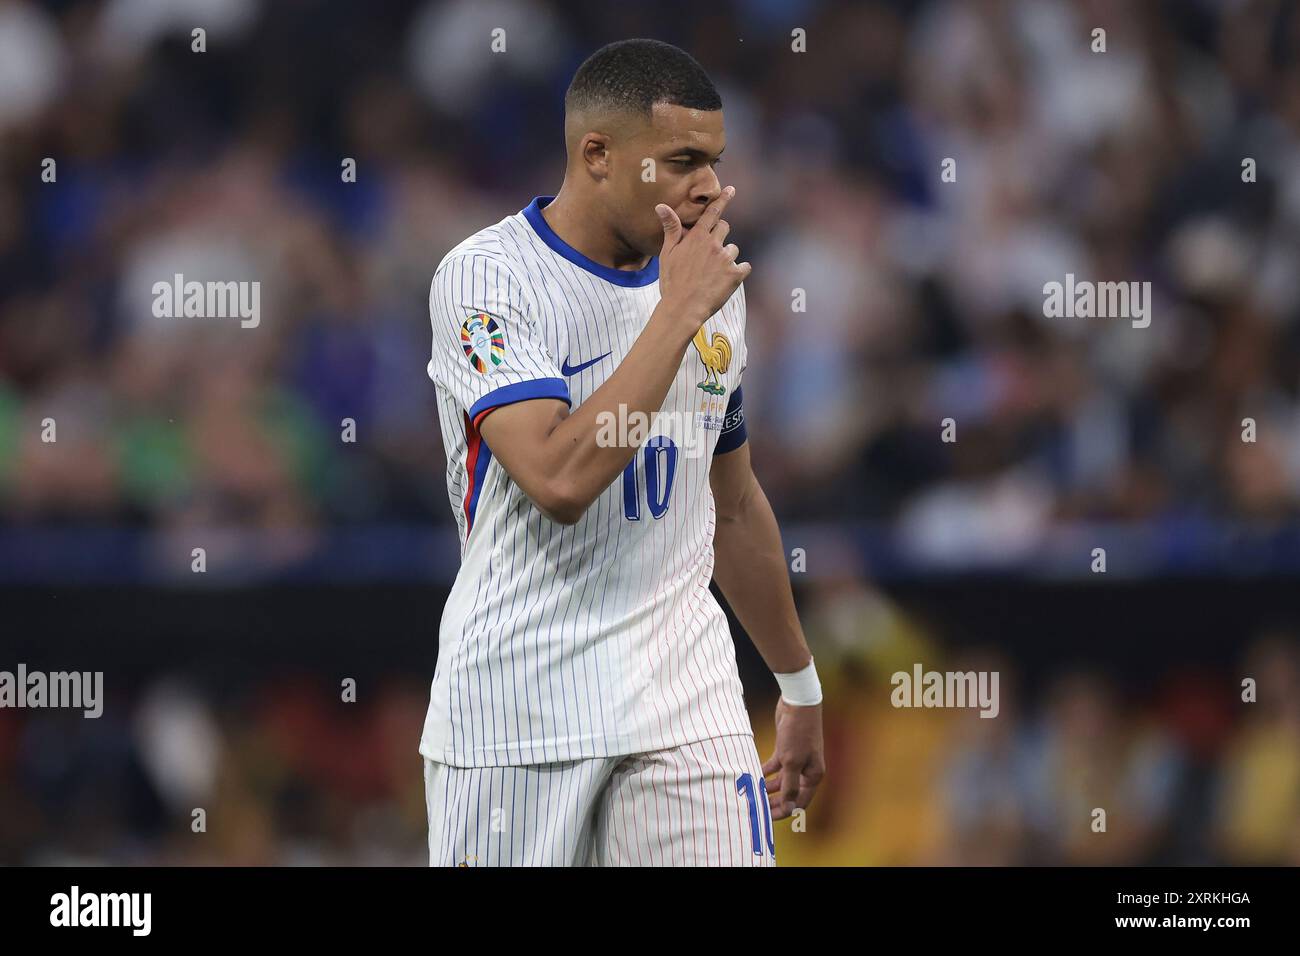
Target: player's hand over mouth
697 272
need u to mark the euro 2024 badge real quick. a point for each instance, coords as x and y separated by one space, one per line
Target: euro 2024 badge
483 341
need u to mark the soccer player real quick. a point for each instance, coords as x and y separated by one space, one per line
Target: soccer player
588 354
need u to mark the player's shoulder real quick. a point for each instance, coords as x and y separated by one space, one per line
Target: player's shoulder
494 248
484 272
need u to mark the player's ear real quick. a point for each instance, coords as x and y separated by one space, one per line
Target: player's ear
595 153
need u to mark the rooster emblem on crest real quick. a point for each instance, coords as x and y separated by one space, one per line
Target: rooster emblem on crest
716 356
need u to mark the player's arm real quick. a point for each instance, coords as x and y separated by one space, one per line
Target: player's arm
552 453
751 572
750 563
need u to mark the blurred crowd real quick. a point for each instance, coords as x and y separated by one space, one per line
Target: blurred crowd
285 772
1183 768
1173 157
924 298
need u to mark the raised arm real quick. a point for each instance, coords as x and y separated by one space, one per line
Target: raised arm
552 453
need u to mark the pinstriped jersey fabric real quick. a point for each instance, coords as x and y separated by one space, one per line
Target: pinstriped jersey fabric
601 638
693 805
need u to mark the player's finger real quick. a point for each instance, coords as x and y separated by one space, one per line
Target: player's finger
772 787
745 268
714 211
721 229
789 787
732 250
806 793
772 766
672 226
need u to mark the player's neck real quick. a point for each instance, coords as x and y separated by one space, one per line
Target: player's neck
589 236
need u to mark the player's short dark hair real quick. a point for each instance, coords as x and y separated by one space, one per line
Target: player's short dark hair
631 76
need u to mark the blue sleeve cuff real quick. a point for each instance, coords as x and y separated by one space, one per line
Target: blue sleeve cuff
520 392
733 433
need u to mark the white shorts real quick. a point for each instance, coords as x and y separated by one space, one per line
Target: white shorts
700 804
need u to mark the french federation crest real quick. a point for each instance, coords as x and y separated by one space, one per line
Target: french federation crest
716 356
484 342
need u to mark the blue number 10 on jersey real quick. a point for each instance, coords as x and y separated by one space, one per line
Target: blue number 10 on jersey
658 450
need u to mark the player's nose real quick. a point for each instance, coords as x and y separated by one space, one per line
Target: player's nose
708 188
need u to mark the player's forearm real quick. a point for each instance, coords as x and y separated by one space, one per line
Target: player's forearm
581 463
751 572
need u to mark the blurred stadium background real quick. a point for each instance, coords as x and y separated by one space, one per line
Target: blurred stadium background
328 560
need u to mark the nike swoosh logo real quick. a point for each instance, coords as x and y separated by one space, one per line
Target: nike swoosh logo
569 370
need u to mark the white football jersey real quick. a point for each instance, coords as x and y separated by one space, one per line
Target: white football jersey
601 638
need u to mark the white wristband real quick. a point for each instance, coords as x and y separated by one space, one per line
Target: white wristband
801 688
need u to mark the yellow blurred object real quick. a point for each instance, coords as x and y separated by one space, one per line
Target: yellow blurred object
1261 808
